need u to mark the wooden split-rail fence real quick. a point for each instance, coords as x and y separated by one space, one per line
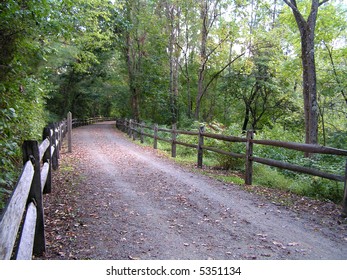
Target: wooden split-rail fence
22 232
22 223
137 130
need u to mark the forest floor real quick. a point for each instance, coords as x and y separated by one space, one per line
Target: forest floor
114 199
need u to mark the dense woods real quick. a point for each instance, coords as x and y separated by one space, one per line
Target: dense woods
277 67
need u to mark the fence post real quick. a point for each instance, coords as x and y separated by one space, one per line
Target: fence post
249 161
200 144
141 132
120 124
125 125
59 136
155 143
57 139
173 144
69 131
130 131
55 155
47 157
344 201
31 152
135 127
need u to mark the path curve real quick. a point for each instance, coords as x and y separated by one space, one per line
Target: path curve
135 204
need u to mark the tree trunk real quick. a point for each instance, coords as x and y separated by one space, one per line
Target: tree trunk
133 59
174 30
203 56
246 119
307 29
309 85
134 92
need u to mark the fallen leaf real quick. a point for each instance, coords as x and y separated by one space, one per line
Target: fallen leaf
266 255
279 244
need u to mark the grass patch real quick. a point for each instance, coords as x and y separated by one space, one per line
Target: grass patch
303 185
230 179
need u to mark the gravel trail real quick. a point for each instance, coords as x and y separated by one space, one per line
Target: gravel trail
133 203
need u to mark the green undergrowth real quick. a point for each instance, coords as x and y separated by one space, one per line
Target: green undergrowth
304 185
264 176
230 179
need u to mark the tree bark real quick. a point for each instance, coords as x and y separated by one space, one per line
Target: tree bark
133 59
203 56
174 31
307 31
134 92
246 118
208 15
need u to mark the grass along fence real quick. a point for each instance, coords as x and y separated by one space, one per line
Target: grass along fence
136 130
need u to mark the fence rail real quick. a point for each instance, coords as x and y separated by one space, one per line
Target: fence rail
22 232
22 220
134 129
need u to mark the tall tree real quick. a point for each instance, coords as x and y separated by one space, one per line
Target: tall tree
173 14
133 49
307 36
210 12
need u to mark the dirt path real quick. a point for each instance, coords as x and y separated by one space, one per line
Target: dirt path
128 202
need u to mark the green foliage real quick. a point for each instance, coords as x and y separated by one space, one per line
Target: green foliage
60 56
25 29
225 161
271 177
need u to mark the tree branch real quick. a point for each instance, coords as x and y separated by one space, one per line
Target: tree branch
297 14
335 72
213 15
219 44
321 3
292 6
220 71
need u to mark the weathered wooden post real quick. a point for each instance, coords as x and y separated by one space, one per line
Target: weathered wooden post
135 128
155 143
344 201
57 128
69 131
141 132
249 154
125 127
173 143
200 144
60 135
55 154
31 152
130 131
66 126
47 157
